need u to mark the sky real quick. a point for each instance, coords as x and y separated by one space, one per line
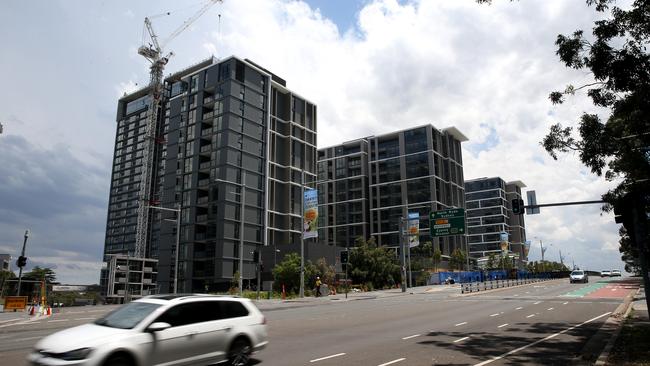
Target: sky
371 66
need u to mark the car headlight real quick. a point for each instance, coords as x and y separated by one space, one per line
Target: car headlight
76 355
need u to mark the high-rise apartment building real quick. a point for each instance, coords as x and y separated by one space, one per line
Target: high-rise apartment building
367 185
489 213
223 124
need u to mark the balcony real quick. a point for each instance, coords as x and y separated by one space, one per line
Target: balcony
206 132
201 218
148 269
208 100
208 115
204 166
204 182
205 150
202 200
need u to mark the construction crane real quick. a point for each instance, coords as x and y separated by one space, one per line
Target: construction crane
154 53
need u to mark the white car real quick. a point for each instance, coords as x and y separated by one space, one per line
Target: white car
605 273
161 330
578 276
616 273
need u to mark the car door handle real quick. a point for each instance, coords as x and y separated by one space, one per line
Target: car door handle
226 329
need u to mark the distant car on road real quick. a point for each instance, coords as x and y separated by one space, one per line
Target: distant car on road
578 276
605 273
161 330
616 273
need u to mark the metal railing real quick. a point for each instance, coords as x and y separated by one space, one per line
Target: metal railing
469 287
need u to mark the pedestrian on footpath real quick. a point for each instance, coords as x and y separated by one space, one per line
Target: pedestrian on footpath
318 284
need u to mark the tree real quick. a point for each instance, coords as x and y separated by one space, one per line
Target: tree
437 257
326 272
373 264
457 259
287 273
38 274
492 261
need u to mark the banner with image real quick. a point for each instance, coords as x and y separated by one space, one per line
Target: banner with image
414 229
310 214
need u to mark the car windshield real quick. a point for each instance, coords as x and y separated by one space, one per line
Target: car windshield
127 316
577 273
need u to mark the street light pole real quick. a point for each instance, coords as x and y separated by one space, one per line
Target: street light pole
22 254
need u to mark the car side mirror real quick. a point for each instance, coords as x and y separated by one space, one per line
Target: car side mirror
158 326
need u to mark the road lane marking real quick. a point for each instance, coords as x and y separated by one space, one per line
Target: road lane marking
25 339
564 303
327 357
459 324
11 320
85 319
58 320
549 309
392 362
496 358
75 312
516 295
413 336
460 339
530 316
496 314
502 325
519 308
539 302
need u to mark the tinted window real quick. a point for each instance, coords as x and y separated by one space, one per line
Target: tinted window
233 309
191 313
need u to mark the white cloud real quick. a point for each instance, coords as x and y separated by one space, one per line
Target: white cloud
454 63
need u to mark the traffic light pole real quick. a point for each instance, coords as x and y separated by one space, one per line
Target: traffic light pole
640 237
21 265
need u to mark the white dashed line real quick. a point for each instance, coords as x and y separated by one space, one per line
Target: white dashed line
503 325
519 308
59 320
564 303
327 357
459 324
413 336
392 362
530 316
86 319
539 302
549 309
496 314
539 341
461 339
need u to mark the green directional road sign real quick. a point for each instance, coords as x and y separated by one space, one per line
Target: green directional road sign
447 222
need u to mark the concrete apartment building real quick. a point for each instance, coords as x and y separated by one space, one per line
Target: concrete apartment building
489 213
367 185
222 123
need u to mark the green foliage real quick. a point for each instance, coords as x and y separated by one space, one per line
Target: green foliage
437 257
326 272
492 261
457 259
370 263
38 274
287 273
546 266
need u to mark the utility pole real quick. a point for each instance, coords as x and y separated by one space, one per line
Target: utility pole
22 261
302 234
402 223
542 249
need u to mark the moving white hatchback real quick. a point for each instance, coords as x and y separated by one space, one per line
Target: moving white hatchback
578 276
163 329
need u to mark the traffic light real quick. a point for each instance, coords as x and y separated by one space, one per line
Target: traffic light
21 262
344 257
518 206
256 256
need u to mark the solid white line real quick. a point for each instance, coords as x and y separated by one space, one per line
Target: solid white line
12 320
413 336
502 325
519 308
25 339
392 362
460 340
75 312
530 316
459 324
549 309
539 341
495 314
327 357
85 319
59 320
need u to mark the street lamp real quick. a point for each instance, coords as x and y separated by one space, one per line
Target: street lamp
242 197
21 262
178 237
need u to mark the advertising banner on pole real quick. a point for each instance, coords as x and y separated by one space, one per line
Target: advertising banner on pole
310 216
414 229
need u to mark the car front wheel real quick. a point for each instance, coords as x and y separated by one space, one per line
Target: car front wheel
239 353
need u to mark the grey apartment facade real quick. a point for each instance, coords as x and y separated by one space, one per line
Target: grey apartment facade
223 124
489 213
367 185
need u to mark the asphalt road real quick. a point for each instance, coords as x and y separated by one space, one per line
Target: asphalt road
532 324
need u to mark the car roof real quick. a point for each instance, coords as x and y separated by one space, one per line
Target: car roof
174 298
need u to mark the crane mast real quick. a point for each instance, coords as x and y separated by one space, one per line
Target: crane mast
153 52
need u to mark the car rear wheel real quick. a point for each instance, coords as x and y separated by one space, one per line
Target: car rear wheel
239 353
